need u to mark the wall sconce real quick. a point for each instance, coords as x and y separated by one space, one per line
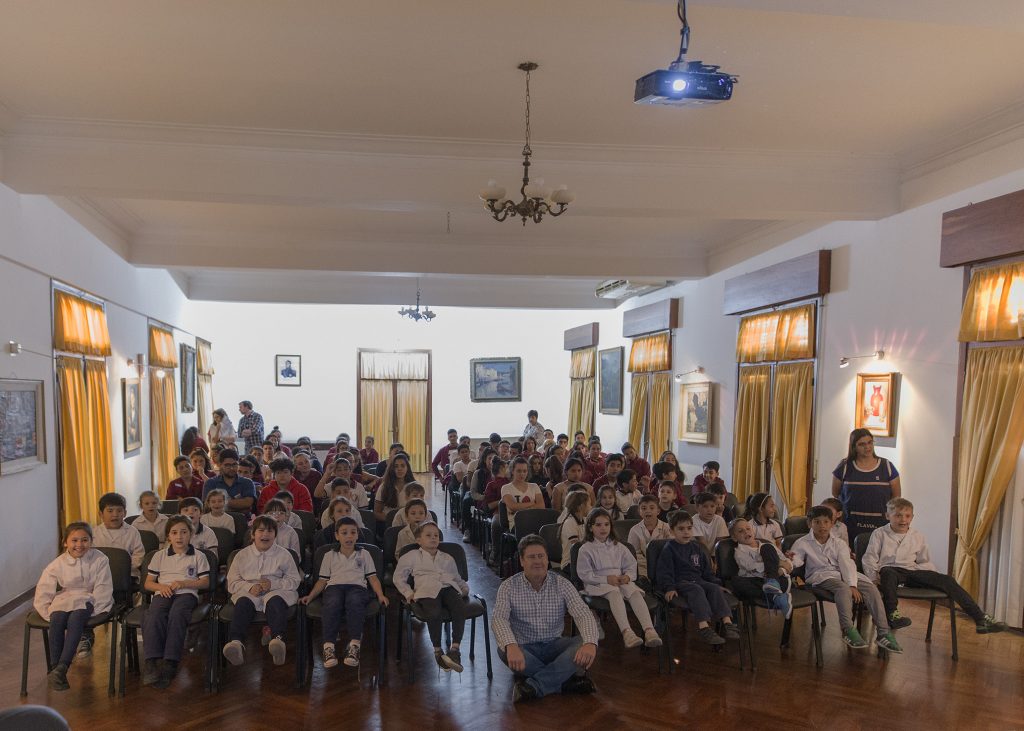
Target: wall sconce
680 376
845 360
139 364
14 348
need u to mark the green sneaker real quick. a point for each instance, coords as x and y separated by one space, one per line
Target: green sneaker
853 639
988 625
888 642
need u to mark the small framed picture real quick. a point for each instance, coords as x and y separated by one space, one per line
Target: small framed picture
131 415
22 427
495 379
874 406
288 370
695 412
610 379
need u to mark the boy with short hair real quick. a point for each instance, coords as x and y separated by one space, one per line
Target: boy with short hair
287 536
613 466
411 491
460 467
293 520
187 484
718 490
650 528
708 526
827 565
627 492
668 472
708 477
282 470
113 532
838 527
898 554
666 500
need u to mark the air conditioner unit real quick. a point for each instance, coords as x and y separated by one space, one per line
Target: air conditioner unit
620 289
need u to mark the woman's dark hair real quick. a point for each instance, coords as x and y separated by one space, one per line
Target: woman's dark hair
592 518
515 463
188 440
483 467
527 441
536 464
206 458
754 503
553 469
388 494
855 436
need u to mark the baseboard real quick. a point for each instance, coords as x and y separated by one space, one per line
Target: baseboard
16 602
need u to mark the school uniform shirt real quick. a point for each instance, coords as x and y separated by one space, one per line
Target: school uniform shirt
708 533
639 537
830 560
294 521
311 479
204 539
570 531
598 560
405 538
359 493
157 526
178 490
770 531
288 537
166 567
223 520
430 573
886 547
532 494
337 568
126 538
700 484
639 465
301 499
492 493
460 469
82 581
749 560
325 518
275 564
626 500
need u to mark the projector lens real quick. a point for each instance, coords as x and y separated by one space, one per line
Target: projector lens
679 85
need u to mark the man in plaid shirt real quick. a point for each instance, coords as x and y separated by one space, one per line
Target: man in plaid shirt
528 619
250 426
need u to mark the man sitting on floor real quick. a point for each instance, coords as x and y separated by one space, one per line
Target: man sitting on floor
528 619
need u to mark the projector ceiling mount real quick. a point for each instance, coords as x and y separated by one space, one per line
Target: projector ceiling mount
684 83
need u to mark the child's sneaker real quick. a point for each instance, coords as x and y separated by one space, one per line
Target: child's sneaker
710 636
439 659
234 651
853 639
897 620
330 657
352 655
84 647
630 640
277 650
58 677
150 672
453 659
265 636
732 632
784 604
888 642
772 586
652 638
988 625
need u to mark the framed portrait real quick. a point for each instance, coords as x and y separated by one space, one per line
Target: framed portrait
695 412
131 414
610 379
496 379
188 378
288 370
22 427
874 408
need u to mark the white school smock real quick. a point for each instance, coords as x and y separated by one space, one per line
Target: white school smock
223 520
829 560
886 547
276 564
158 526
325 517
429 573
84 580
596 561
288 538
639 537
569 529
749 560
126 538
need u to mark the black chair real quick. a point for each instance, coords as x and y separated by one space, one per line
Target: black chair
476 606
310 524
241 527
624 526
221 617
169 507
225 545
600 605
369 520
795 525
725 553
553 543
314 611
133 620
527 522
633 513
121 581
149 540
860 547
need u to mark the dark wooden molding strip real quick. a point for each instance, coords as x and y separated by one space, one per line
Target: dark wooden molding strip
657 316
984 231
805 276
584 336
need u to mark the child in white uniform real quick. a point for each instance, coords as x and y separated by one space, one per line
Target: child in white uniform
113 532
650 528
216 515
761 513
287 536
152 519
573 527
708 526
203 537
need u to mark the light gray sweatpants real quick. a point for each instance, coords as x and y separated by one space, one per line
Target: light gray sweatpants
843 598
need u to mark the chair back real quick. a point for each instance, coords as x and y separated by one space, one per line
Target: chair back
503 515
795 525
390 544
369 520
169 507
860 547
731 501
633 513
686 491
389 517
624 526
457 552
120 573
309 524
241 526
725 553
789 540
130 519
654 549
225 544
549 533
149 540
211 558
530 521
574 554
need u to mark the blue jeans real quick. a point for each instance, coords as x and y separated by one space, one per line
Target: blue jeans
66 630
349 600
166 626
549 664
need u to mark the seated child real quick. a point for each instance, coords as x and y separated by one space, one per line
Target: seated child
341 487
607 569
285 535
627 490
684 570
339 508
202 536
188 483
492 491
607 500
828 566
763 569
666 500
650 528
216 515
668 472
839 527
718 490
414 513
73 588
174 577
263 578
411 491
613 466
708 477
573 473
761 514
572 528
439 587
289 503
343 578
708 527
113 532
898 554
576 487
151 518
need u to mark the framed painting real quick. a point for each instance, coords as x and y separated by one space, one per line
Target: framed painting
496 379
288 370
874 405
22 426
131 414
695 412
610 379
188 378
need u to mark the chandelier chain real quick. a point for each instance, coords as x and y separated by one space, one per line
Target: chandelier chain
527 148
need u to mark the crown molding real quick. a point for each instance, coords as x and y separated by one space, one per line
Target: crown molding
96 221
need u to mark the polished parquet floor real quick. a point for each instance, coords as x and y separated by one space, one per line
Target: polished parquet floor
922 689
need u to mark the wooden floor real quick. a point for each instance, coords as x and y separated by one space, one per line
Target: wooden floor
921 689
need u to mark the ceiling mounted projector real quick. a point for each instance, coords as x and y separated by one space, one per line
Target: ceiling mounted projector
684 83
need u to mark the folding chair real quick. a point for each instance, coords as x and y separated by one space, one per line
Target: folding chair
149 540
553 543
795 525
624 526
241 527
169 507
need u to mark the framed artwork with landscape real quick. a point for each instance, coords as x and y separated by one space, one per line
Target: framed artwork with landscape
22 427
496 379
874 407
695 412
288 370
131 414
188 378
610 379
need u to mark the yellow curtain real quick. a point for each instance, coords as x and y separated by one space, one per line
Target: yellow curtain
991 435
661 409
412 422
581 390
204 357
204 385
994 305
375 412
750 446
79 326
97 420
75 465
394 366
587 400
775 336
583 363
162 353
791 433
651 353
163 426
638 410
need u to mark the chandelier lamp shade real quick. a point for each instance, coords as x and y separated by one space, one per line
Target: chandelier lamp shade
536 200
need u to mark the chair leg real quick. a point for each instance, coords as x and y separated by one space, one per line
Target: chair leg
46 650
124 659
472 638
300 651
382 646
487 645
787 627
111 688
411 660
401 632
751 619
952 627
667 644
931 620
821 612
743 632
816 633
24 660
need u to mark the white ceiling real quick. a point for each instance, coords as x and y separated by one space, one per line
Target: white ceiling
229 141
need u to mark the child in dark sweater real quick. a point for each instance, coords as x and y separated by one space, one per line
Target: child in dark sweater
684 571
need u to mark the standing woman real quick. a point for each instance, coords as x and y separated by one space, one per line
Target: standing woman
864 483
221 430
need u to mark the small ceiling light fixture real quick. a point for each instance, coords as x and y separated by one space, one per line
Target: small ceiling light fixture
537 201
680 376
844 362
414 313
